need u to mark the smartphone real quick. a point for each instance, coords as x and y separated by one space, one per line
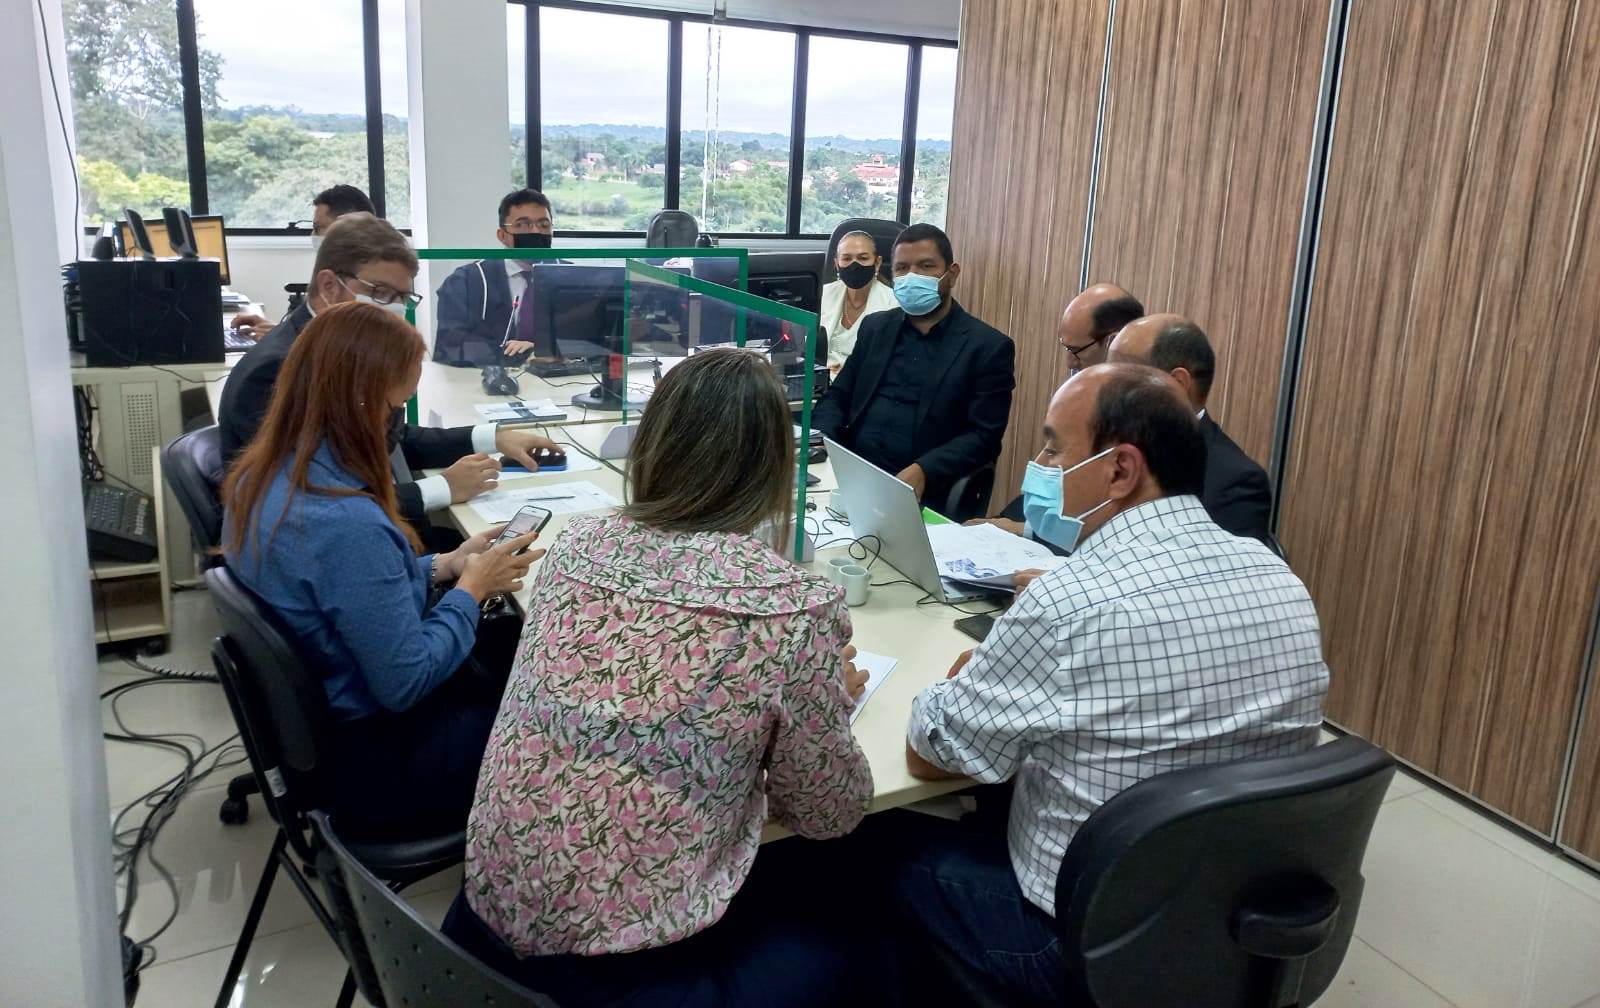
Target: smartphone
531 518
976 627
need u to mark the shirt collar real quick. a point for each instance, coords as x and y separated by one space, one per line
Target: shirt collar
943 326
324 464
515 266
1164 512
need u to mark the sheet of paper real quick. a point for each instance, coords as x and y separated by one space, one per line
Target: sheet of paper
985 554
520 411
560 498
576 462
877 667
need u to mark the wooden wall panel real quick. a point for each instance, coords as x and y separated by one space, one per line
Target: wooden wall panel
1444 464
1206 145
1027 94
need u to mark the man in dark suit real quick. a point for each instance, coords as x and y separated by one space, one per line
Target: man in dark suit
364 259
927 392
1237 494
478 302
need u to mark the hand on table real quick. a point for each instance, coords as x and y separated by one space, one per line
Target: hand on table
913 476
1014 527
498 571
1023 578
472 475
960 663
514 347
855 680
518 447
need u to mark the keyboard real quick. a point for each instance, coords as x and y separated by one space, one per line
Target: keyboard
232 342
581 367
120 523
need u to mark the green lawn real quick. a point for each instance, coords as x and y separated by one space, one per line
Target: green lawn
571 195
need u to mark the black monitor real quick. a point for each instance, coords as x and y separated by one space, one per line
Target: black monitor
138 239
180 233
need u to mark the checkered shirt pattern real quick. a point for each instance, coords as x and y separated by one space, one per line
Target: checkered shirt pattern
1162 643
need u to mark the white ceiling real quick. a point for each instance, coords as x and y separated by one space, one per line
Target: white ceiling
925 18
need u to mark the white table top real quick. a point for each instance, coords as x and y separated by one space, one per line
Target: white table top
923 638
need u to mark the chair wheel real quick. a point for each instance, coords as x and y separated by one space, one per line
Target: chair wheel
234 811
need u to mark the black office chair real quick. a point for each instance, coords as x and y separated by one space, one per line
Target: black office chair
671 229
192 465
398 957
883 233
1223 886
284 721
969 495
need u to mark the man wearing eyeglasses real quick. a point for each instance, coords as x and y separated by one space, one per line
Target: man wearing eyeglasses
365 259
1085 331
477 303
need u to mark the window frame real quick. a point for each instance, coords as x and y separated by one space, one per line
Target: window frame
803 34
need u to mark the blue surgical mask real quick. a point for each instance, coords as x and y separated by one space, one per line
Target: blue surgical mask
1041 503
918 294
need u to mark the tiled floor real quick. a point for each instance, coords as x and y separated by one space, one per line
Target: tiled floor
1458 910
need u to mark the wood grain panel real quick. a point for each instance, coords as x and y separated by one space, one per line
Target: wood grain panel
1027 94
1206 145
1444 463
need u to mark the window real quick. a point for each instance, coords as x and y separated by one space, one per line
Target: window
268 139
274 139
127 106
738 93
855 116
603 117
935 122
517 92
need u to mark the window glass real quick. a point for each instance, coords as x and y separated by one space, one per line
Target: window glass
396 112
935 123
127 106
284 100
738 95
855 115
602 88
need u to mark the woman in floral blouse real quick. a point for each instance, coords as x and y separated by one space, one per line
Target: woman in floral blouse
679 684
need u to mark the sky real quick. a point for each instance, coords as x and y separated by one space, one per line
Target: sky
602 68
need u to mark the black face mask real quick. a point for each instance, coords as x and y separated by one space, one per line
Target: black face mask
857 275
534 240
397 423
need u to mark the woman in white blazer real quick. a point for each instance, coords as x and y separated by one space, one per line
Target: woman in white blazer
856 294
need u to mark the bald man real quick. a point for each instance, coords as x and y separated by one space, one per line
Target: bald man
1237 493
1213 634
1087 325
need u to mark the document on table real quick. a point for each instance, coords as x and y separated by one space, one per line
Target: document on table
520 411
560 498
877 667
986 555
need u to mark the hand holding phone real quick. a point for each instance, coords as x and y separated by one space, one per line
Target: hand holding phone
530 518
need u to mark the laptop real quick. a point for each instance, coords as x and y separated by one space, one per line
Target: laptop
880 505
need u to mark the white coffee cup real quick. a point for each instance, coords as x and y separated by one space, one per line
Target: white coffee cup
855 579
833 568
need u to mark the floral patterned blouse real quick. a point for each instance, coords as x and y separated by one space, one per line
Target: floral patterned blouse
672 692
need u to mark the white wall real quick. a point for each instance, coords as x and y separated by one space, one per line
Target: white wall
58 931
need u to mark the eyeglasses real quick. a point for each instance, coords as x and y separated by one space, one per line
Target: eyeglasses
384 294
1078 351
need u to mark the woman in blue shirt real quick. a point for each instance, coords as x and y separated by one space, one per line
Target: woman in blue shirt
313 529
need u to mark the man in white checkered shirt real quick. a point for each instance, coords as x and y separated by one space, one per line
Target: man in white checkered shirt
1163 642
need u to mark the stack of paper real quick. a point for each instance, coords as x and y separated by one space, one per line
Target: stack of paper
985 554
560 498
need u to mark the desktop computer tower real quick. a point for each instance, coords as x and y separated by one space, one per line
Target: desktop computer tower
150 311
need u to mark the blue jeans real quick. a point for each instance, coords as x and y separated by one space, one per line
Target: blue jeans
956 886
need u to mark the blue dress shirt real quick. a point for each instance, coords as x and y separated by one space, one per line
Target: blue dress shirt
350 588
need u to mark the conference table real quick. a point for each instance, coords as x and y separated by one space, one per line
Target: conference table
922 638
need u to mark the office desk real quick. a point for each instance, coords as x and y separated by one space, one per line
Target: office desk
451 392
923 638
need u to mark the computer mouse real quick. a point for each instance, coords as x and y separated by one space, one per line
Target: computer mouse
817 454
549 459
498 381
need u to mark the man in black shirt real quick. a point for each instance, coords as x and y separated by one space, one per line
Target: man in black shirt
926 393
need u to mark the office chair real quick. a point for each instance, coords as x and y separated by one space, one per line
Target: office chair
192 466
969 495
883 233
1222 886
671 229
396 955
284 721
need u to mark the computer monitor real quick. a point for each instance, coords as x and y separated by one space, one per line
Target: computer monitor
211 240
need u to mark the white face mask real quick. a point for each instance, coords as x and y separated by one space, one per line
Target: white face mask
395 308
